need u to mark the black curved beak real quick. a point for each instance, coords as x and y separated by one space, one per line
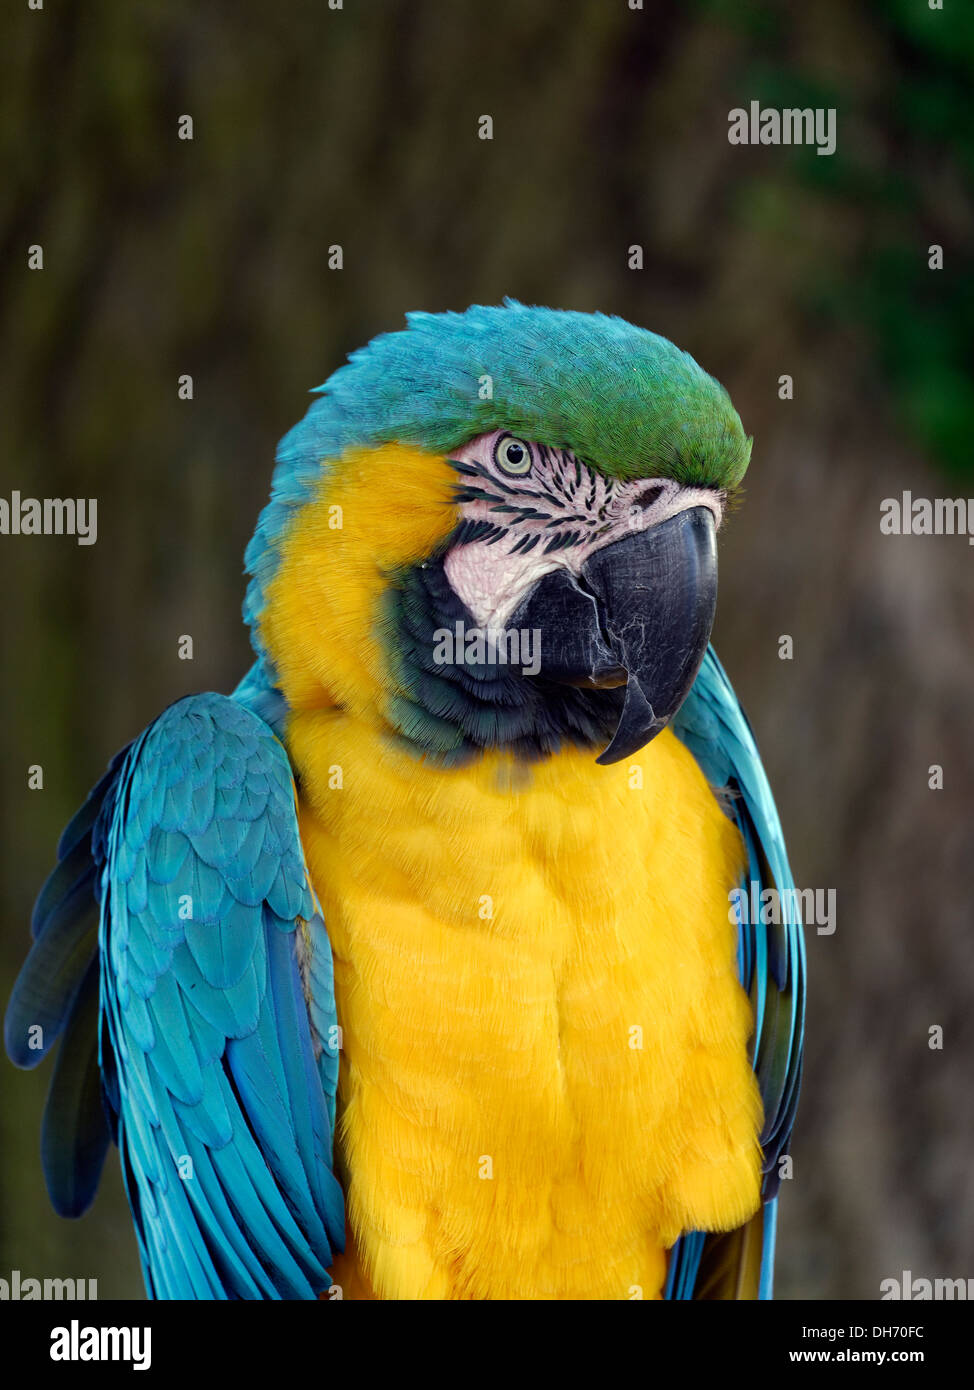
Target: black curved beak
639 614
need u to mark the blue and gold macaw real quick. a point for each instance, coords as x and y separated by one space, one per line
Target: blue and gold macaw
412 969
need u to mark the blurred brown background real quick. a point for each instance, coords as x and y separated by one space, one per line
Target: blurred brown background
359 127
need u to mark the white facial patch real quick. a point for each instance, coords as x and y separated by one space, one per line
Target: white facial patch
532 510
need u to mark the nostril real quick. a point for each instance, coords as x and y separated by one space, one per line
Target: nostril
651 496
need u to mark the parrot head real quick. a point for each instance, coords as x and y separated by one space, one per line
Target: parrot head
496 530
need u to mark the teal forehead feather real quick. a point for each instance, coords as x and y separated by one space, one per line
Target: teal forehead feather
629 403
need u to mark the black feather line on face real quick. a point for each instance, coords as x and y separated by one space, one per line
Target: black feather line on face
470 530
552 497
462 493
477 470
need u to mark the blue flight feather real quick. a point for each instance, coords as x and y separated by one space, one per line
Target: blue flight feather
221 1095
771 958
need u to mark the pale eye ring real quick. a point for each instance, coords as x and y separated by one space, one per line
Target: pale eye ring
513 455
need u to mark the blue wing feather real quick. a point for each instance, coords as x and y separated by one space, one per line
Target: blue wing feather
771 958
219 1071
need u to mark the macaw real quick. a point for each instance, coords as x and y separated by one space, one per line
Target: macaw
416 967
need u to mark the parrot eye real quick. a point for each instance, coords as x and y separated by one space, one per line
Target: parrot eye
513 455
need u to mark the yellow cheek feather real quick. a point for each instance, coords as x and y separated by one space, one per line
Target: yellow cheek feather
376 510
544 1075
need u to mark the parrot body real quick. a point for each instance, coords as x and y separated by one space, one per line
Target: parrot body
450 1004
379 926
559 997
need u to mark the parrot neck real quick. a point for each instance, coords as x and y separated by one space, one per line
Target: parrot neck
259 693
463 697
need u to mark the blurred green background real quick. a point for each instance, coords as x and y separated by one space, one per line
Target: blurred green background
358 127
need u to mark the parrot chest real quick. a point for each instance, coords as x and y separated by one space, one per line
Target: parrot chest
544 1075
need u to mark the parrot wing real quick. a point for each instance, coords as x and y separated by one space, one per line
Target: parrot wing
771 964
179 945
